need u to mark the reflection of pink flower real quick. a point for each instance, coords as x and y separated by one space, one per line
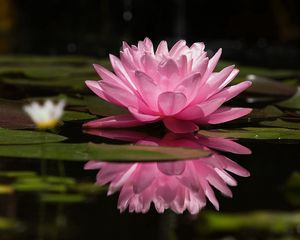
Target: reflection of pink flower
176 185
177 87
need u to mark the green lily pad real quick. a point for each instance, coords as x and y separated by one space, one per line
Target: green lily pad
100 107
8 136
102 152
281 123
254 133
73 116
267 112
291 103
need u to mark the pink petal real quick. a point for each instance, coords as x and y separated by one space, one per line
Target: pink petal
121 71
171 168
232 91
226 114
120 134
110 77
209 192
200 110
148 89
180 126
144 176
214 81
119 121
93 165
177 48
118 95
96 88
168 68
143 117
187 86
148 45
224 144
162 48
170 103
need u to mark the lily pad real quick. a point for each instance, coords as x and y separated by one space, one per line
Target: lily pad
101 152
254 133
281 123
74 116
8 136
267 86
100 107
267 112
13 116
293 102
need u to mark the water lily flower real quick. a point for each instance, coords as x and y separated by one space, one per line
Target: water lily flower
177 86
46 115
179 185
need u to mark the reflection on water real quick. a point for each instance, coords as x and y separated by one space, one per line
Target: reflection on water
180 185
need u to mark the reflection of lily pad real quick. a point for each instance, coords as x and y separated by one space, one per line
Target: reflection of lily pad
277 222
8 136
292 189
253 133
104 152
62 198
281 123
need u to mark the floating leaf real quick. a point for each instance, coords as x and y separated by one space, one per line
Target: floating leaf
100 107
281 123
267 86
8 136
293 102
73 116
13 116
253 133
265 113
103 152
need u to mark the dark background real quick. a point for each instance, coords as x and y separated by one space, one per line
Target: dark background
265 32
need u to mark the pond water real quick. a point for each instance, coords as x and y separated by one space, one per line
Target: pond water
47 192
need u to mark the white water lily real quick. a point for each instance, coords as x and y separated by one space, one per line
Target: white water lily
46 115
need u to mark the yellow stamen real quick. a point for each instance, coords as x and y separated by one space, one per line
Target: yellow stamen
52 123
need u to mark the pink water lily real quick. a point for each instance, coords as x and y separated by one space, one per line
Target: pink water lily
179 185
177 87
